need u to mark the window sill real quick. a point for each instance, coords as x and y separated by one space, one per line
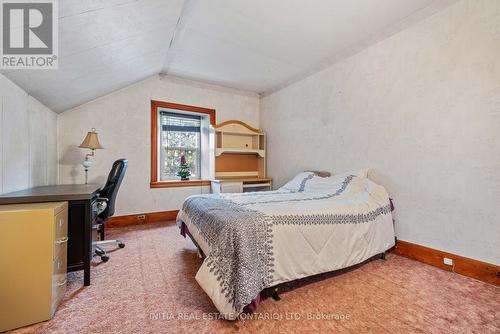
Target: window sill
174 184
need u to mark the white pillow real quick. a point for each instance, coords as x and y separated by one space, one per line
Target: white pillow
317 183
361 173
309 181
298 181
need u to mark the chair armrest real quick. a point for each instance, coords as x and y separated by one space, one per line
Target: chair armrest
102 204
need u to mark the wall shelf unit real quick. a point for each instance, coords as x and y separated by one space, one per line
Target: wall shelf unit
240 158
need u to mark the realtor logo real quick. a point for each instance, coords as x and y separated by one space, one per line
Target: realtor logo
29 34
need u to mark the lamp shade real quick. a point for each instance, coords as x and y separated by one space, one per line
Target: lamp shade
91 141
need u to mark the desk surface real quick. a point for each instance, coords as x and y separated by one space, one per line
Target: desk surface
243 179
63 192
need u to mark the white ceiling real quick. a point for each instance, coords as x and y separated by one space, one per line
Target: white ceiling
256 45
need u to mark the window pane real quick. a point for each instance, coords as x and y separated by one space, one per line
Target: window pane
180 135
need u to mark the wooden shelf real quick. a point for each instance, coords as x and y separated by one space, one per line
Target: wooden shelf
219 151
238 133
237 175
240 155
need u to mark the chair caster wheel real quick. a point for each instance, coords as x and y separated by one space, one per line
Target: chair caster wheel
121 245
275 295
105 258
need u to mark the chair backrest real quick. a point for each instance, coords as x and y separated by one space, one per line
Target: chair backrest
110 190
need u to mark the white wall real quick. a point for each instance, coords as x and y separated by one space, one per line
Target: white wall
28 140
423 108
124 125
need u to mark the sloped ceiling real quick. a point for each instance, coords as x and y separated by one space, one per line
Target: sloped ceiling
256 45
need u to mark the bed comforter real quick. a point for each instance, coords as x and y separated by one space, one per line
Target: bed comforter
253 241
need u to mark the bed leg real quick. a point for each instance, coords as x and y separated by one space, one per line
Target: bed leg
382 256
276 295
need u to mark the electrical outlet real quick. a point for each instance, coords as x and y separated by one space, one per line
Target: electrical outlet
141 217
447 261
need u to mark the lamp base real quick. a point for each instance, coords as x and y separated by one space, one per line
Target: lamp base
86 165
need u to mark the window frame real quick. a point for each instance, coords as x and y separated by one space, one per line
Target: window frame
155 105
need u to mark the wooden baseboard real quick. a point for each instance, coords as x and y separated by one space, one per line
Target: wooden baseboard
483 271
141 218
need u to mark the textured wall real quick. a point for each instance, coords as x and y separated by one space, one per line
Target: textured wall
123 122
28 140
421 107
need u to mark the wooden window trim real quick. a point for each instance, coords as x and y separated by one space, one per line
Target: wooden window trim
154 183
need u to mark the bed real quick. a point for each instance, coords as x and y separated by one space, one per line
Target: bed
311 225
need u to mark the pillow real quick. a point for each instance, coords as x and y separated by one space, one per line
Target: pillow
317 183
361 173
311 181
298 182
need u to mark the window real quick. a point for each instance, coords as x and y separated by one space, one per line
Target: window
180 136
180 130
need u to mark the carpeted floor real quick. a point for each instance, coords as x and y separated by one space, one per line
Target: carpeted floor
149 287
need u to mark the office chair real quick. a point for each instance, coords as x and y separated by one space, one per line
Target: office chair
106 206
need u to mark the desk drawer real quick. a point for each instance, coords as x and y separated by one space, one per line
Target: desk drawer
231 187
60 246
58 291
59 278
61 225
59 263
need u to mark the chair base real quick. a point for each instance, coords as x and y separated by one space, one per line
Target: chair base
107 242
100 251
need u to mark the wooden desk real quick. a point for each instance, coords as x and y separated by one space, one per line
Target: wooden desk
82 212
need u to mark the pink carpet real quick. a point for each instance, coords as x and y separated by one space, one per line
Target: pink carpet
149 287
